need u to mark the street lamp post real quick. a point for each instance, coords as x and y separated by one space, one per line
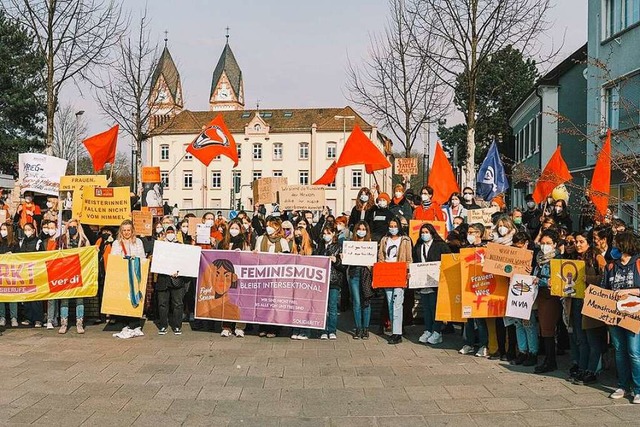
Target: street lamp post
344 141
78 114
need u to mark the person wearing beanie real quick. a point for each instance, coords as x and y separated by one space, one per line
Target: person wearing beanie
400 204
381 216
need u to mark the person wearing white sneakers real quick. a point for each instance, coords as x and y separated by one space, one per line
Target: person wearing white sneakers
8 244
430 247
330 248
302 245
620 275
170 292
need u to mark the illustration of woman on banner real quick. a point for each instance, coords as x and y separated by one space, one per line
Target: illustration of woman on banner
213 296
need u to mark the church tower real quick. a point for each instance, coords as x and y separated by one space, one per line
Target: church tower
227 87
165 100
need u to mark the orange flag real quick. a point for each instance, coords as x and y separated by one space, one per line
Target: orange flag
359 150
215 140
441 178
555 173
102 147
329 176
601 179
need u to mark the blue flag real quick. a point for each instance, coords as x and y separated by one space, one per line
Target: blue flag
491 178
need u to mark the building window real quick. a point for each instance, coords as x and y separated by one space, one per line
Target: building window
257 127
517 141
620 14
164 152
256 175
303 151
277 151
527 142
303 177
187 155
237 181
356 179
239 147
277 174
257 151
187 203
216 203
187 179
538 132
534 134
216 179
612 107
332 148
164 179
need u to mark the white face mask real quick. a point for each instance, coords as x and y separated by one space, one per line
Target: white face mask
468 197
171 237
4 233
49 205
471 238
328 237
382 204
340 227
425 197
531 205
270 230
52 232
361 233
209 223
364 198
233 232
28 233
546 249
399 194
393 231
28 199
503 230
159 229
455 202
184 230
558 209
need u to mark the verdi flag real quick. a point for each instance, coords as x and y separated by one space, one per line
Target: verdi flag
214 140
491 180
601 179
102 147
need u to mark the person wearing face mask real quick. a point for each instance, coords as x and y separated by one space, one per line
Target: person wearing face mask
272 241
234 240
208 220
381 217
516 217
337 276
531 216
302 245
8 244
73 238
28 212
343 231
429 247
452 209
561 215
395 247
51 213
169 291
51 242
400 205
31 243
549 306
428 209
363 210
103 243
360 286
468 200
287 228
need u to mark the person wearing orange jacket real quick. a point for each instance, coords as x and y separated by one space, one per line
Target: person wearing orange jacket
429 210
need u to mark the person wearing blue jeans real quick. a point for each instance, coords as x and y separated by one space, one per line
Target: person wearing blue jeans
332 314
627 347
13 313
527 337
361 315
64 316
333 250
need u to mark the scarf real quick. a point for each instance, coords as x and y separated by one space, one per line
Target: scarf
397 201
541 258
426 205
264 245
506 240
135 276
237 242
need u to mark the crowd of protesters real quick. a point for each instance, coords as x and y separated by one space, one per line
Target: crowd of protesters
610 250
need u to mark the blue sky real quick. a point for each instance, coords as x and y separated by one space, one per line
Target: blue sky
292 53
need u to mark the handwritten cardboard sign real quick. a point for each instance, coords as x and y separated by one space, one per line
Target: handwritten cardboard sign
302 198
449 303
483 294
620 308
483 216
506 260
522 295
389 275
142 222
3 216
265 190
406 166
193 225
415 224
424 275
568 278
359 253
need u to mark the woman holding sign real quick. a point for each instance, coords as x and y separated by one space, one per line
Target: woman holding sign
360 286
395 247
334 251
430 247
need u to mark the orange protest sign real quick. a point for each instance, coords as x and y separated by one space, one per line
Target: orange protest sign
150 174
483 294
506 261
389 275
415 224
449 304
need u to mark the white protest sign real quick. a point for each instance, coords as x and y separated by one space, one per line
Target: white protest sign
170 258
424 275
41 173
363 254
302 197
203 234
522 294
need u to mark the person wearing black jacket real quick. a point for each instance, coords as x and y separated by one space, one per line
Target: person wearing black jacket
31 243
429 247
561 215
170 290
334 251
381 217
531 216
363 209
399 204
468 201
8 244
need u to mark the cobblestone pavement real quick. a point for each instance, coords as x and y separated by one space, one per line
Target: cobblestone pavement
200 378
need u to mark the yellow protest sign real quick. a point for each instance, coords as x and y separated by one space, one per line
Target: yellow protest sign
568 278
72 187
449 304
483 294
37 276
105 206
125 284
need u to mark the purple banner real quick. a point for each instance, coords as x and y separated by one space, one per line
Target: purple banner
272 289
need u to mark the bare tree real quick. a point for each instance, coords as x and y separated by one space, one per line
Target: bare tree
72 36
68 130
396 86
460 35
124 93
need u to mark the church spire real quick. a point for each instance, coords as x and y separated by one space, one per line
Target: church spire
227 86
165 98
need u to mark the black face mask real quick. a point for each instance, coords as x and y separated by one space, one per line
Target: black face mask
298 240
72 231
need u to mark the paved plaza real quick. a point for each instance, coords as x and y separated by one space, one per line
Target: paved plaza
200 378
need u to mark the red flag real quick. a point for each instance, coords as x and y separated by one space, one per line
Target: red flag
215 140
601 179
102 147
441 178
359 150
329 176
555 173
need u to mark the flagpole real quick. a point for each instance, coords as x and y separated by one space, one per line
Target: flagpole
177 163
